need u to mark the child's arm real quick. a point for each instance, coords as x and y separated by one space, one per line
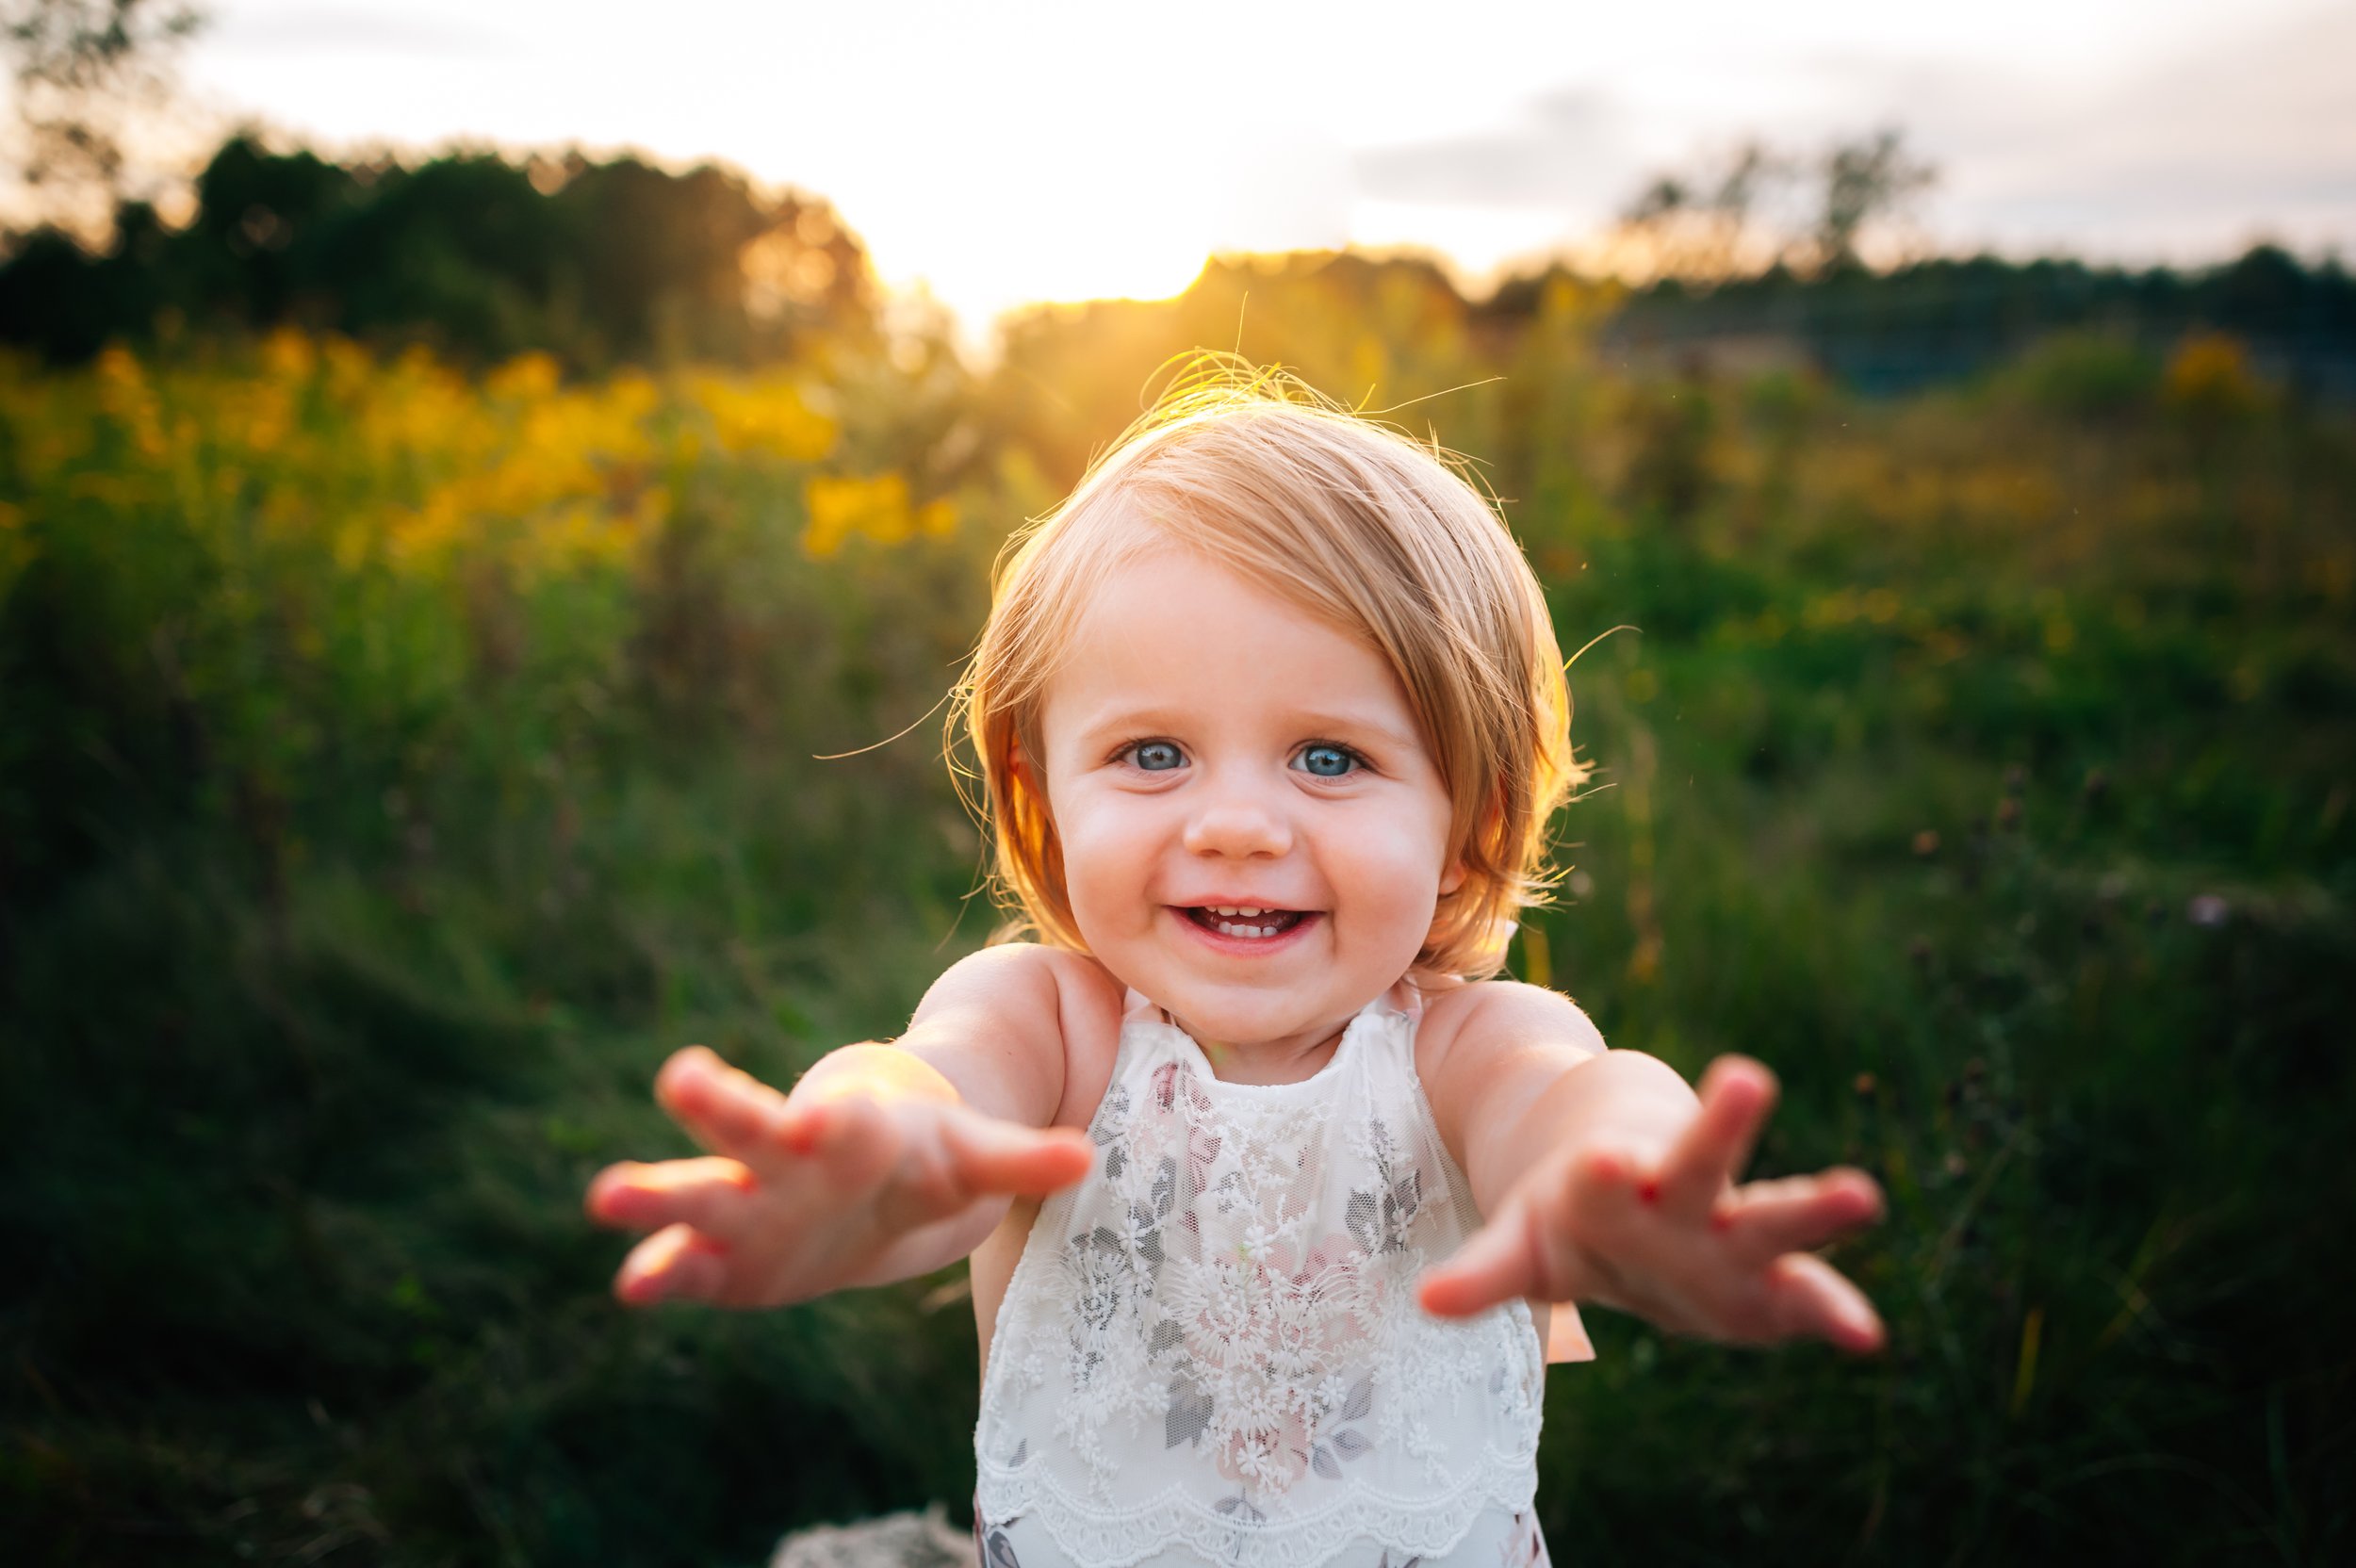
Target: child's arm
886 1161
1605 1179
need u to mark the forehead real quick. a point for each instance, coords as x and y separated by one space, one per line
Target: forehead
1171 632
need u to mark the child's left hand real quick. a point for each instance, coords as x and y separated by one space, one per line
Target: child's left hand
1664 1231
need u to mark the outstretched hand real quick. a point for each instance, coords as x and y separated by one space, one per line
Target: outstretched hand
1667 1234
804 1195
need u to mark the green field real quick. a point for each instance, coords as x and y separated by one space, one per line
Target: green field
397 763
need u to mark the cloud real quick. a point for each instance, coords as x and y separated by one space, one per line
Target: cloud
2182 156
1562 152
2245 127
2250 133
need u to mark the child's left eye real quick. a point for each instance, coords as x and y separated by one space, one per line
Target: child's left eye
1327 762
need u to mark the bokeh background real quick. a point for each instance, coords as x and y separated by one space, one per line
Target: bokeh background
477 485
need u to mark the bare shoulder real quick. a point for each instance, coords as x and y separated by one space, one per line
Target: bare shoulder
1022 1030
1486 1037
1485 1017
1092 1003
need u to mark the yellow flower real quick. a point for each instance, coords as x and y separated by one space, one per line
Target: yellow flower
876 508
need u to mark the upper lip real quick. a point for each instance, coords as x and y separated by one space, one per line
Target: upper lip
1230 901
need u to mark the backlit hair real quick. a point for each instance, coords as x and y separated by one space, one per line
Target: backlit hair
1368 529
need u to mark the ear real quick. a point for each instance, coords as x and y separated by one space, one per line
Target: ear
1031 779
1490 816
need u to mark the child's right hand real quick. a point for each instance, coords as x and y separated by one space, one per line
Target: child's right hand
870 1171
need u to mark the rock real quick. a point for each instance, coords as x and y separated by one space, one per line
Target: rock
925 1540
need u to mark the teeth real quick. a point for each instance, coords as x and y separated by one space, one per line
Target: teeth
1233 920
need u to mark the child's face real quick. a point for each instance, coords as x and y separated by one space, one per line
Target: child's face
1211 745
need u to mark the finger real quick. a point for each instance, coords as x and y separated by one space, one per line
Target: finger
708 1194
676 1264
727 1111
994 1156
1736 1095
1813 1301
1496 1262
1798 1213
854 1141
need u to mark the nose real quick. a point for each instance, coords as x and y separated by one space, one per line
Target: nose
1235 820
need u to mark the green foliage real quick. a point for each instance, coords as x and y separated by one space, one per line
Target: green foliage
479 256
2083 375
395 765
1948 318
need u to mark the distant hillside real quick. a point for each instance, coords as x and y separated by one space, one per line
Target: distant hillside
1938 320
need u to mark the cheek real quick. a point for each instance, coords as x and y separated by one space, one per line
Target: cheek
1104 864
1408 849
1403 873
1396 872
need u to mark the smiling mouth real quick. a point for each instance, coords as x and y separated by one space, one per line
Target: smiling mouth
1250 924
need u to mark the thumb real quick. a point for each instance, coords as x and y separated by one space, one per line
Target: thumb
994 1156
1496 1262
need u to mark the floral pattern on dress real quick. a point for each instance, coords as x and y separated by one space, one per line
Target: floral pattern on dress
1214 1344
1261 1344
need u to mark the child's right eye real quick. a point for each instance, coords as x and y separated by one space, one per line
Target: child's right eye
1155 756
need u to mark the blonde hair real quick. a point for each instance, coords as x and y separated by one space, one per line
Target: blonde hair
1361 526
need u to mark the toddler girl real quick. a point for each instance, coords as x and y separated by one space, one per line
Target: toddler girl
1264 1180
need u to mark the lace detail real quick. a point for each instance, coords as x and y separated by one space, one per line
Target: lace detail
1214 1342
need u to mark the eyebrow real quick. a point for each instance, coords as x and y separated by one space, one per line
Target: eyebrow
1306 722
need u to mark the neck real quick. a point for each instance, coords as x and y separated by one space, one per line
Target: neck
1291 1059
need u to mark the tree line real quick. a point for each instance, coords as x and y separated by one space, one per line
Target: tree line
482 256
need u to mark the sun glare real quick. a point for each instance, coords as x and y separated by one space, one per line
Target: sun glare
1124 238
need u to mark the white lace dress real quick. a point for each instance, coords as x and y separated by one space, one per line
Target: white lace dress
1210 1350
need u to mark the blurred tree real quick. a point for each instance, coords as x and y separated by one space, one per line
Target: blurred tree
1380 329
1701 227
87 72
1866 181
1759 208
480 256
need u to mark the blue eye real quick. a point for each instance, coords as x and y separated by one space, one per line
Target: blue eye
1155 756
1327 762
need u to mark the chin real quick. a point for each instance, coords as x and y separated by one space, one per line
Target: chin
1241 1025
1237 1014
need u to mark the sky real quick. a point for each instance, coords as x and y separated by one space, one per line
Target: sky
993 153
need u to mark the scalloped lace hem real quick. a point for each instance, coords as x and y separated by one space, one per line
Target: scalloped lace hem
1121 1537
